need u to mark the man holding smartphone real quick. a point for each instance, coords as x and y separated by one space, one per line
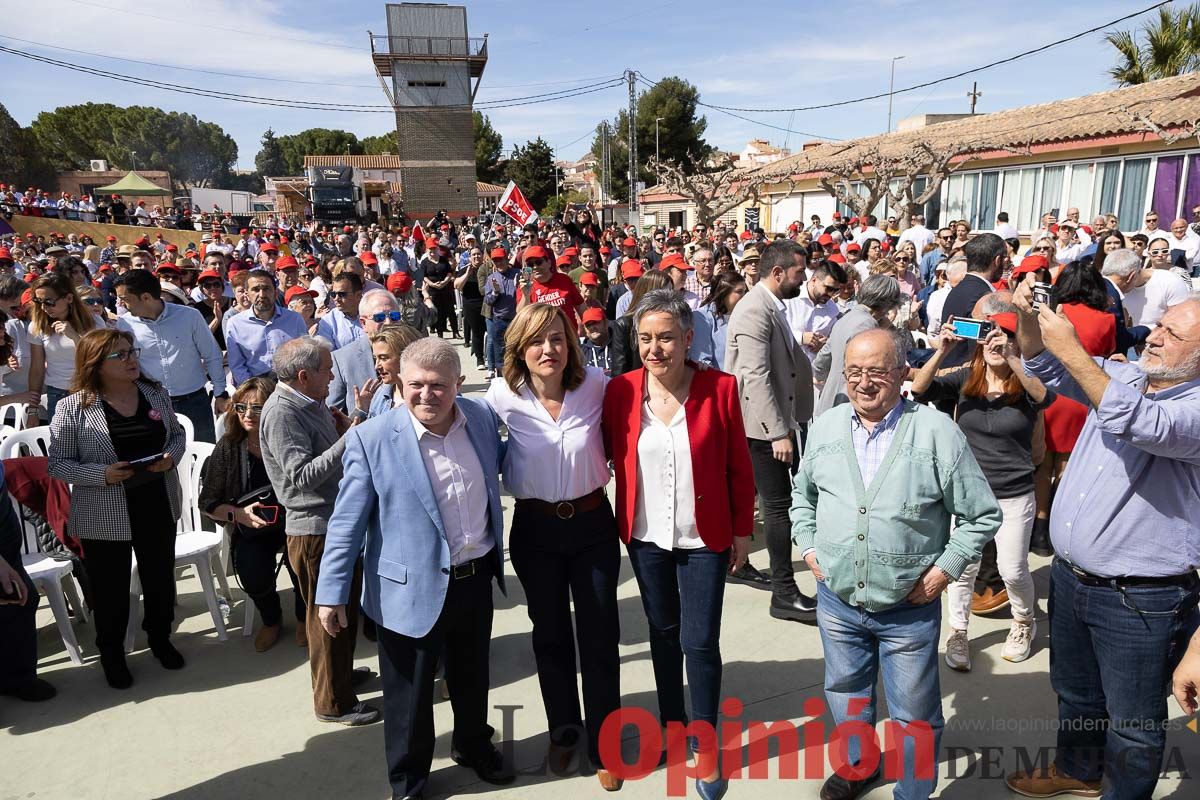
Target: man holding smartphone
18 607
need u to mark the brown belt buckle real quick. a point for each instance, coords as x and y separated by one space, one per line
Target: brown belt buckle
564 510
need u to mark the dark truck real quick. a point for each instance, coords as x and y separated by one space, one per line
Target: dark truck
336 195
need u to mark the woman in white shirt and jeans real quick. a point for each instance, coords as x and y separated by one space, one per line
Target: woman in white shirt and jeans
57 320
564 536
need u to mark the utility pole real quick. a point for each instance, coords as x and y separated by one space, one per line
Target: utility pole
891 88
974 95
631 77
605 165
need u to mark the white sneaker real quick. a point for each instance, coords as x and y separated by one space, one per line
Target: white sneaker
1019 644
958 652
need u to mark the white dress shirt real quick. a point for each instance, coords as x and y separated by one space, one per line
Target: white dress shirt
553 460
666 495
920 236
178 350
804 316
934 306
458 487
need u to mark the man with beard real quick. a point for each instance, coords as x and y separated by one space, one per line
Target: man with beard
1123 587
253 336
775 384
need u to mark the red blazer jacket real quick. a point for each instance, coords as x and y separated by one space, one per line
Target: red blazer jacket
721 471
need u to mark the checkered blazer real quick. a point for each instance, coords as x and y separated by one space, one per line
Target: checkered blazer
80 450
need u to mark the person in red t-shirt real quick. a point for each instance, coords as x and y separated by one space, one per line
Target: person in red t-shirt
541 283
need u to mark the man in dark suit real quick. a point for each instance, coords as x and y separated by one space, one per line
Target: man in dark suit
420 500
986 256
353 365
1122 271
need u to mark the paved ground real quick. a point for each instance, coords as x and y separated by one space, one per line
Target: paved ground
236 724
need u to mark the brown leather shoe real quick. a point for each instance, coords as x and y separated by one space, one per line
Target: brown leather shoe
608 781
989 602
1048 783
266 638
559 756
301 635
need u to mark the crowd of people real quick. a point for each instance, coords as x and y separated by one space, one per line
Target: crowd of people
900 406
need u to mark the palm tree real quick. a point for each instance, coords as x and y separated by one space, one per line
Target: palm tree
1170 46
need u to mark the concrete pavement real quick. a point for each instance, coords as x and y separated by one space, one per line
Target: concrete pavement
237 724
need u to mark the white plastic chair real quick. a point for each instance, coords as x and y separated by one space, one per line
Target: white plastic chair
54 578
28 442
194 546
920 339
189 430
13 414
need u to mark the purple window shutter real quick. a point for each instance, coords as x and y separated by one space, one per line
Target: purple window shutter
1191 192
1166 189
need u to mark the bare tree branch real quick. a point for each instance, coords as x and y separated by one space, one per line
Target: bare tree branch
1187 130
720 188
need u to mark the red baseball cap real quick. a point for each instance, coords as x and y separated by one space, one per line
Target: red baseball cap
589 279
629 243
367 257
167 266
674 260
1007 320
5 254
498 253
747 235
632 269
571 251
593 314
269 247
854 247
838 258
1030 264
172 248
399 282
824 239
110 238
297 291
563 261
286 262
209 274
431 241
534 251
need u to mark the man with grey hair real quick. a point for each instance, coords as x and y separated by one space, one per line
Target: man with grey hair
302 445
421 498
886 477
353 365
879 300
1123 587
1122 271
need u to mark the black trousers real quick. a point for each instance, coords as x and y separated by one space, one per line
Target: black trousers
773 481
254 560
18 629
560 562
474 328
463 634
108 567
446 313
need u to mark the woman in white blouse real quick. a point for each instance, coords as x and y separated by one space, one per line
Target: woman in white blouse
563 542
685 509
58 319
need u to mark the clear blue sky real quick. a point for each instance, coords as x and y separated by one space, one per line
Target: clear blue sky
781 54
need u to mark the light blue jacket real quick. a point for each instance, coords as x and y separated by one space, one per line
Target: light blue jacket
386 511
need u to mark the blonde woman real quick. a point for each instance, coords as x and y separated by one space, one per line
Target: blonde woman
387 345
58 318
94 302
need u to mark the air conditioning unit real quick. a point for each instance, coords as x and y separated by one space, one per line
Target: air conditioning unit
99 165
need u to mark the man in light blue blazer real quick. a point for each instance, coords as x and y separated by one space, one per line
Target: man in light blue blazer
420 498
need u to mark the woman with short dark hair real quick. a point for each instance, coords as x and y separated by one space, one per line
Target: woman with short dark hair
116 440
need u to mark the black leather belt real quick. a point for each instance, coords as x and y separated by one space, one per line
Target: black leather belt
1088 579
472 567
565 509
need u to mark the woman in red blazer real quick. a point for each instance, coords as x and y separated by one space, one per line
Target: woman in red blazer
685 508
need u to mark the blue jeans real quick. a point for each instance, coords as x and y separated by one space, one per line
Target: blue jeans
683 592
53 396
1112 652
495 342
902 643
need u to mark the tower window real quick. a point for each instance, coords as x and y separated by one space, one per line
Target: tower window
427 84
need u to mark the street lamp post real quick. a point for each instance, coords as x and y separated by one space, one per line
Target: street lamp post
656 121
891 88
133 154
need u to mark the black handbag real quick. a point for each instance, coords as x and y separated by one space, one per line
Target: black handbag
270 511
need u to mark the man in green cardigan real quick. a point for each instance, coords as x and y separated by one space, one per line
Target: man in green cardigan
871 513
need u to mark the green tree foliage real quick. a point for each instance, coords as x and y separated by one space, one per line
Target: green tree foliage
1166 46
270 161
680 133
316 142
488 146
558 203
384 144
196 153
532 168
21 160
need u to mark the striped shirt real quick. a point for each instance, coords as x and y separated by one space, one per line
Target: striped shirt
871 447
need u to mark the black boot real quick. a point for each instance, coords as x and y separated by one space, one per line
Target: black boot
166 653
749 576
794 605
1039 539
116 671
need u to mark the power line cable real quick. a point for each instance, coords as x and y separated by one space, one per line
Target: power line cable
955 76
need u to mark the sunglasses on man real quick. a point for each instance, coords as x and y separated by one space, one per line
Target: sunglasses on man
390 316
